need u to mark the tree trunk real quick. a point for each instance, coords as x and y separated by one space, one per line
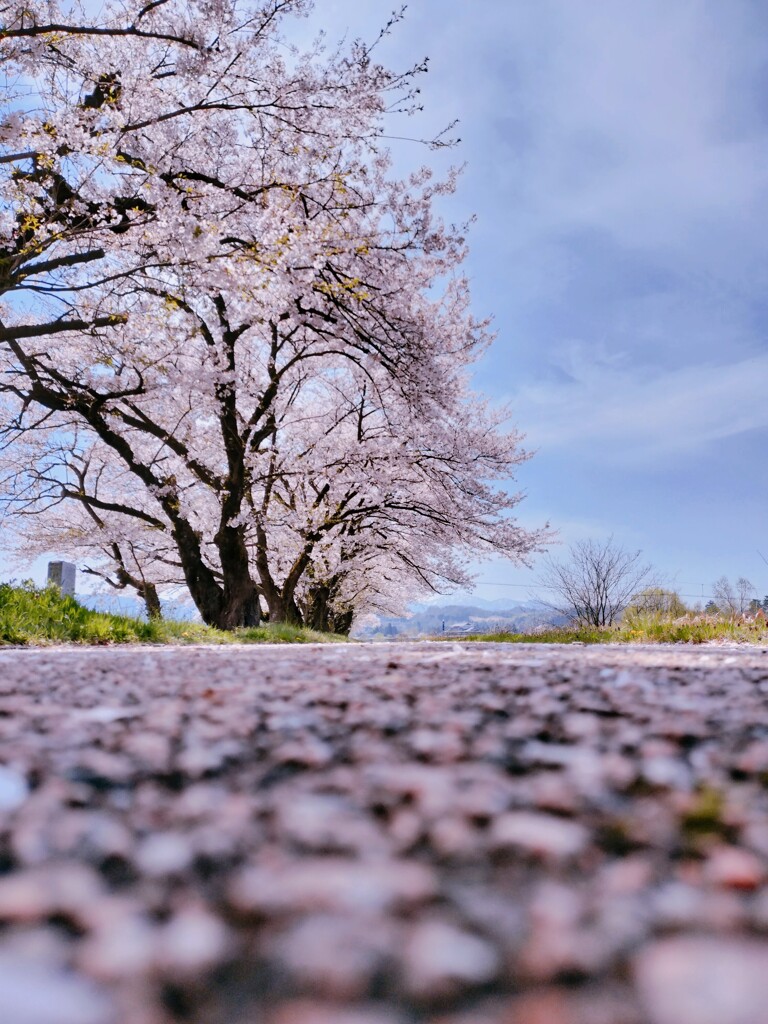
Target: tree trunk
148 592
340 620
282 609
241 603
231 606
201 583
323 615
294 613
236 606
316 608
281 601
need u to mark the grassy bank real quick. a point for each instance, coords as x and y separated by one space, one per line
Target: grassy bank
36 616
644 629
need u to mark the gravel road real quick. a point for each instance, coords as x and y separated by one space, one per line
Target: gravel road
384 834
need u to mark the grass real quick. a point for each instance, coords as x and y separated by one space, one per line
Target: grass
643 629
33 616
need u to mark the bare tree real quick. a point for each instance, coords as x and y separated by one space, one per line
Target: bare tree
724 596
745 594
732 600
597 581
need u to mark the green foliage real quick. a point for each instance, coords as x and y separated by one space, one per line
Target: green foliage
284 633
30 615
655 601
705 815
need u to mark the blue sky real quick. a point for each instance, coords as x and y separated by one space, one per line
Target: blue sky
617 161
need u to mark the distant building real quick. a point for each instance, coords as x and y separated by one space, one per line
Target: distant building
460 629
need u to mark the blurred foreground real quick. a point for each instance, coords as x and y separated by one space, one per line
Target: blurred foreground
384 835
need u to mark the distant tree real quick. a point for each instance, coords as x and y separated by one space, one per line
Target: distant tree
596 583
746 593
658 601
76 502
730 599
711 608
724 596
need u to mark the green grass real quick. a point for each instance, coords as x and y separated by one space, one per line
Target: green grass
554 635
32 616
284 633
644 629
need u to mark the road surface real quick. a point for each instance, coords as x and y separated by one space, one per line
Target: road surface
384 834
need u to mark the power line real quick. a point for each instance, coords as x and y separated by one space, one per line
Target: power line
544 586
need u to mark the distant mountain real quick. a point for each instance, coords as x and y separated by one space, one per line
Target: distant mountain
120 605
500 603
478 617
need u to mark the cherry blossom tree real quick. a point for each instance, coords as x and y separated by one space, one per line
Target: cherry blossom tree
252 338
382 497
58 492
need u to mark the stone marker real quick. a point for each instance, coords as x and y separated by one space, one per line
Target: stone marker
63 575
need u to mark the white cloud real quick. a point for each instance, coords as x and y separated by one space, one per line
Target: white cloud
639 117
601 405
641 120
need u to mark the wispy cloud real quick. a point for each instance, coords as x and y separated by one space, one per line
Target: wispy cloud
604 406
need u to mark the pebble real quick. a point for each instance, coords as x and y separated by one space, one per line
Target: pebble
124 947
441 960
64 888
334 955
33 993
332 884
194 940
164 854
696 979
13 789
541 835
734 868
326 823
